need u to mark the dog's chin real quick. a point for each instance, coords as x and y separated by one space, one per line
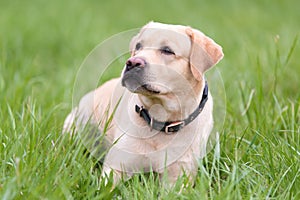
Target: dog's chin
145 89
148 89
138 85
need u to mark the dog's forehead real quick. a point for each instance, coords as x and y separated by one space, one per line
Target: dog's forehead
166 35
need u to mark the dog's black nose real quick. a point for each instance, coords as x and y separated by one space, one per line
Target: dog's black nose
134 62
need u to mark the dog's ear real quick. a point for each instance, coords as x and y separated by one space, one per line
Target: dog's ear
204 53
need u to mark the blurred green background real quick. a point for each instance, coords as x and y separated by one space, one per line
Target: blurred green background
43 43
48 40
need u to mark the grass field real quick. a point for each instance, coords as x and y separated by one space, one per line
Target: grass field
43 43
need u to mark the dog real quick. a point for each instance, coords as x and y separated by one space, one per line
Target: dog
158 115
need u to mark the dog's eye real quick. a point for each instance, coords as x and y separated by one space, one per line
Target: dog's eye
138 46
167 51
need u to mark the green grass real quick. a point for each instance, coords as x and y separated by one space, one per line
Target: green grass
43 43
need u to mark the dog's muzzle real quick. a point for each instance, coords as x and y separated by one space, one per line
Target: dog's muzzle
134 76
134 62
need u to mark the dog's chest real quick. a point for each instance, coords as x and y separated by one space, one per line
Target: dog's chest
143 143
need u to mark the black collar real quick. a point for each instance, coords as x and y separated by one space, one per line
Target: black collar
173 126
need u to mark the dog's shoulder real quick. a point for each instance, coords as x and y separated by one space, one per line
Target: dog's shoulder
92 106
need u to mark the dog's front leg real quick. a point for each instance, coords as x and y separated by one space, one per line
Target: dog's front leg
117 175
107 172
177 170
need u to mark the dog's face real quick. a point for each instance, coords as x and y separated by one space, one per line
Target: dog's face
168 59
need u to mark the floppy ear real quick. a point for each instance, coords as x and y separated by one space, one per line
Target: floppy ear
204 54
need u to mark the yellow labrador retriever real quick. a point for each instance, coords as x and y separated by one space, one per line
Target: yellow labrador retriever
161 107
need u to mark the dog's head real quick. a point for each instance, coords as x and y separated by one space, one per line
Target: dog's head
165 58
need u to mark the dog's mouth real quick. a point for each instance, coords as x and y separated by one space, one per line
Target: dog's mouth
148 88
136 84
145 89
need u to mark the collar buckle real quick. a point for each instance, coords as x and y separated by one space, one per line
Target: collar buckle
174 127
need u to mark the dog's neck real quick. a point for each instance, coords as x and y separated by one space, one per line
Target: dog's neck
173 107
